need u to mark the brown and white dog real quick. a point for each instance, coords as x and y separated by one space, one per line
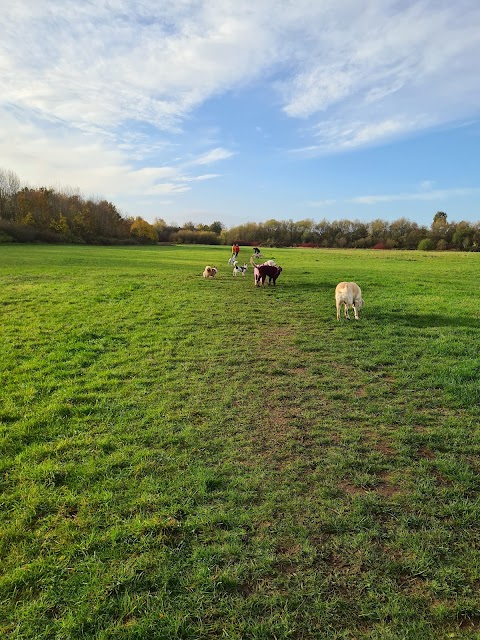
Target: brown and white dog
210 272
350 295
262 271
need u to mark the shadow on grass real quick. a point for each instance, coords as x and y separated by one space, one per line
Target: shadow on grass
291 283
426 320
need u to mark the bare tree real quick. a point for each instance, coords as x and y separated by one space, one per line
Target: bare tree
9 187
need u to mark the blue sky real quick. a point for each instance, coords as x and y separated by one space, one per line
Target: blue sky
243 111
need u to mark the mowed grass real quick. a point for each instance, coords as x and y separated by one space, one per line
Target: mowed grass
190 458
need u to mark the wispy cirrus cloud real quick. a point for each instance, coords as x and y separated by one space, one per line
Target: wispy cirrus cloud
337 136
425 194
100 95
101 64
436 194
375 73
94 66
89 164
206 176
164 188
214 155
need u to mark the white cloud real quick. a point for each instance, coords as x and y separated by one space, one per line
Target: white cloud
425 194
377 71
212 156
97 95
338 136
206 176
101 64
166 188
438 194
93 166
98 65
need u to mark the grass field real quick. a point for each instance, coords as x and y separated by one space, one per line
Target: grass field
189 458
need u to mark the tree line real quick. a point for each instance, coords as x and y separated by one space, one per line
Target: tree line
441 235
63 215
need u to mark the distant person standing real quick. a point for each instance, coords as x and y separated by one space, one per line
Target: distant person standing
235 250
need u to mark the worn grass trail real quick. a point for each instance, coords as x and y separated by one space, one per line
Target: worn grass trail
184 458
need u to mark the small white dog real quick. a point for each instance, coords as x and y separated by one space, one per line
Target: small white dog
210 272
231 260
239 269
350 295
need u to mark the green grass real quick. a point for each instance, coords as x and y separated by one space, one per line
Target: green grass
190 458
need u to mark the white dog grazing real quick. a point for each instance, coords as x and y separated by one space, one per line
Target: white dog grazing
210 272
231 260
239 269
350 295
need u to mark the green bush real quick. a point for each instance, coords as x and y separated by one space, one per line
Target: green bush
4 237
425 245
187 236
